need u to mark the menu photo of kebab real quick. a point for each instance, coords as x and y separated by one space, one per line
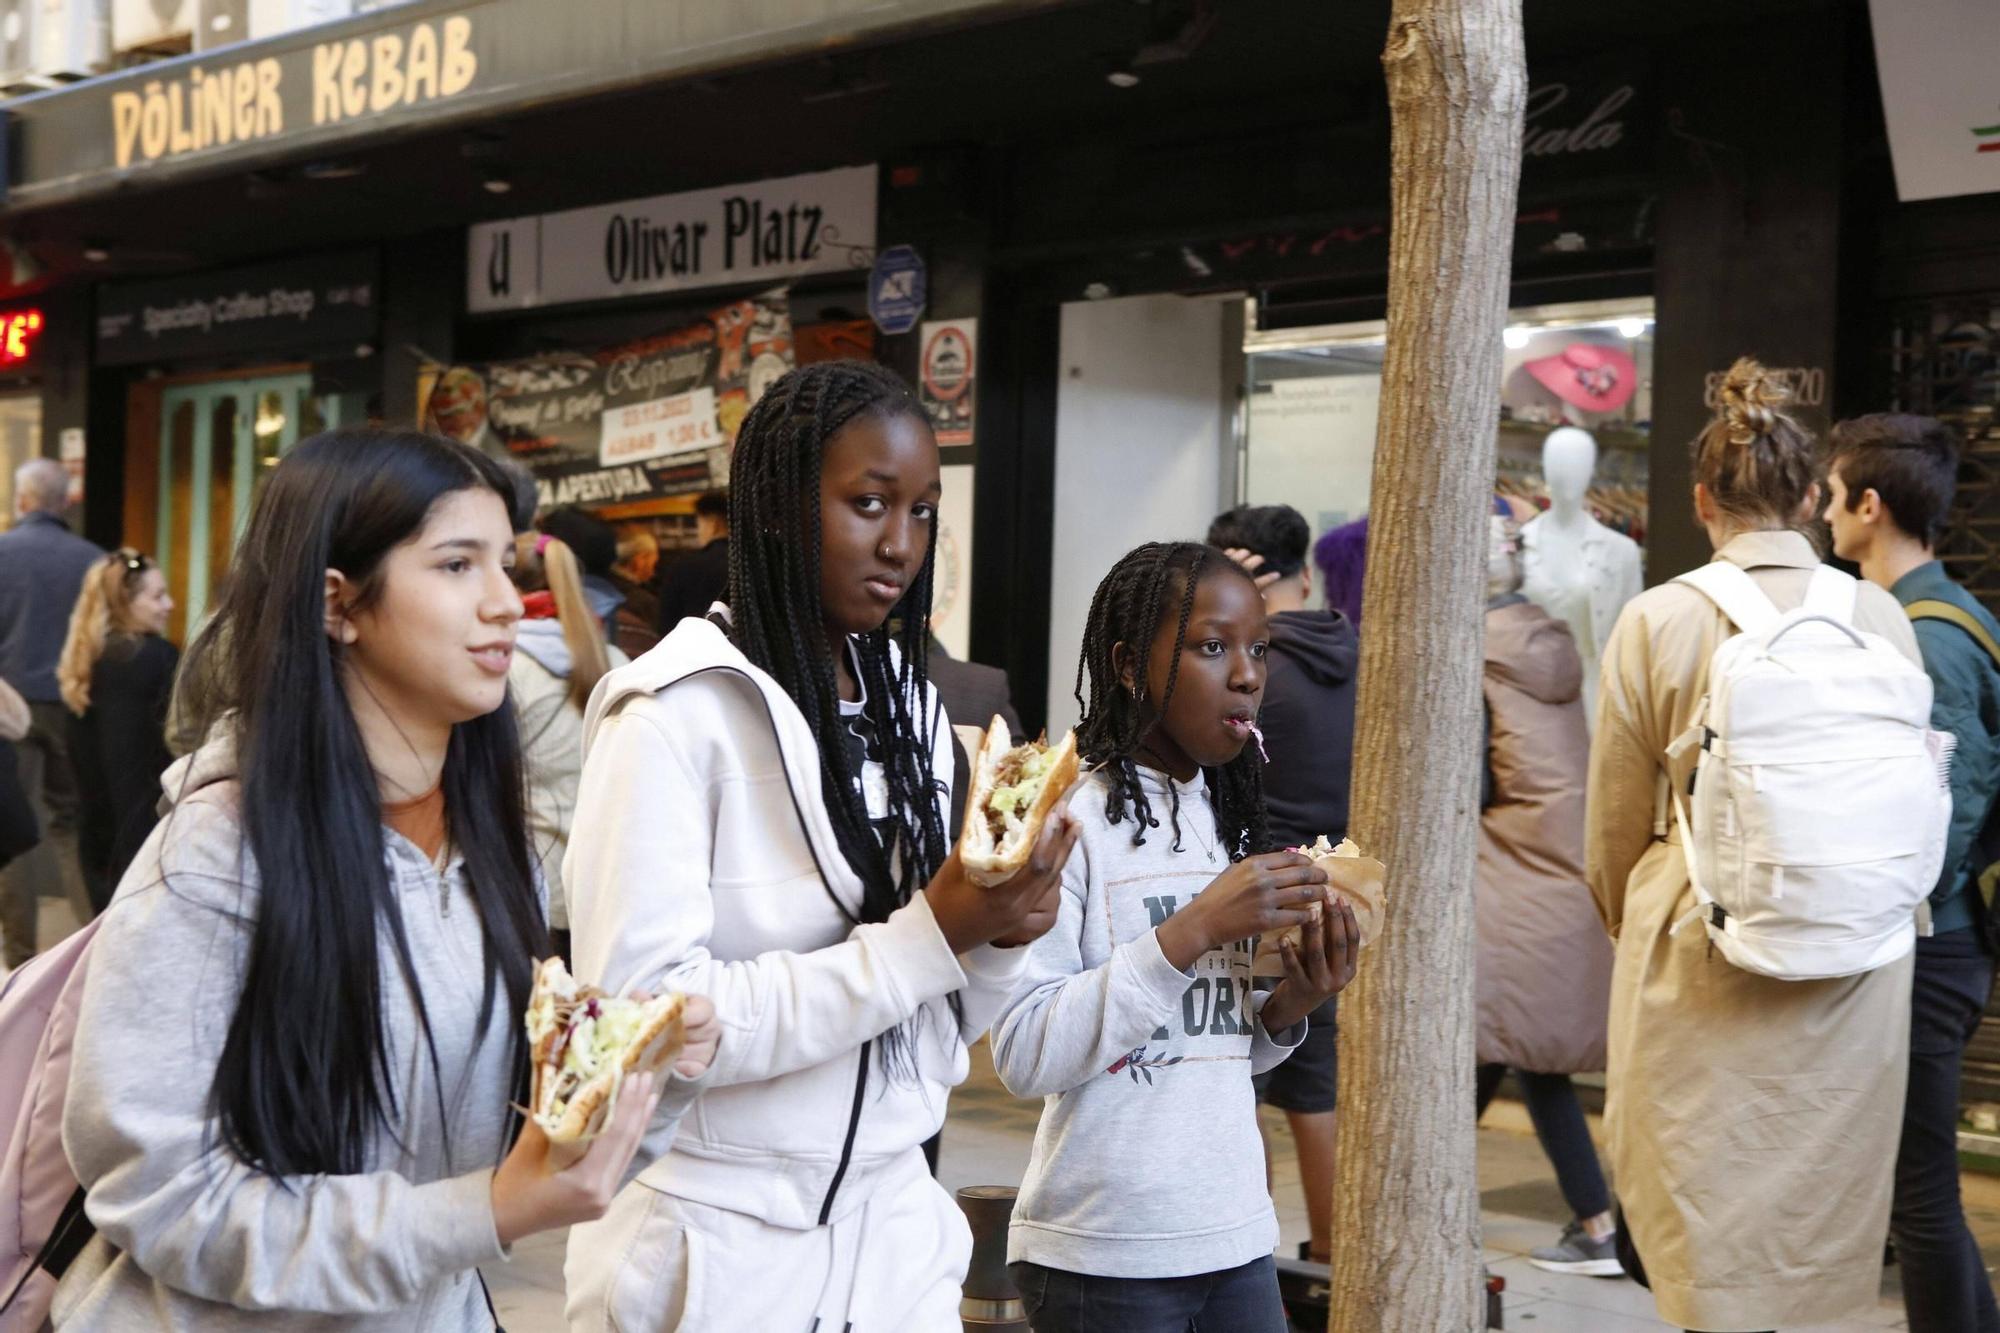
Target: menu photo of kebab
457 405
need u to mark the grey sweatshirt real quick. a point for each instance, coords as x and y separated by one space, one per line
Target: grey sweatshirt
189 1237
1147 1162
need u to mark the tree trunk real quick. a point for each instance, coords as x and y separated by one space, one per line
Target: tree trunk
1406 1221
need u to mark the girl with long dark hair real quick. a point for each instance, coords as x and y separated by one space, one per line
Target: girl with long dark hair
762 820
302 1028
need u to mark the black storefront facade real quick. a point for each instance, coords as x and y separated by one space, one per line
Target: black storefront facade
1671 157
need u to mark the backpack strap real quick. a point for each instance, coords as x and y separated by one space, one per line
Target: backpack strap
1832 594
1959 616
1735 594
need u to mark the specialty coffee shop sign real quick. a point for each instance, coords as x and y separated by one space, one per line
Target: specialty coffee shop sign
768 230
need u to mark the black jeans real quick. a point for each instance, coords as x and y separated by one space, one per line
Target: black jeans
1236 1300
1945 1287
1563 1131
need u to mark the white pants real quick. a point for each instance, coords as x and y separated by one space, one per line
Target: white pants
656 1263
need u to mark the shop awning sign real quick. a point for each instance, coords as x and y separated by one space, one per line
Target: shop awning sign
822 222
288 306
1936 60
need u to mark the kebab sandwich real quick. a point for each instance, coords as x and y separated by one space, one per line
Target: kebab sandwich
1014 787
584 1043
1351 877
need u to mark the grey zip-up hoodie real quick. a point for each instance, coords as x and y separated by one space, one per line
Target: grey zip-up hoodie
188 1236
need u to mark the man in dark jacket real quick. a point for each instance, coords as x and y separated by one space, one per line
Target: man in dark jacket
1890 482
699 580
1308 726
42 564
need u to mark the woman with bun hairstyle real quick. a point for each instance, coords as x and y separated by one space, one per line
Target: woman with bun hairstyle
762 820
302 1032
1753 1122
116 674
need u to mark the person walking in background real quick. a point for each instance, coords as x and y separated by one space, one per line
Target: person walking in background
559 656
42 564
1752 1121
636 575
1308 725
19 829
700 579
595 544
1342 556
116 676
1544 963
1890 481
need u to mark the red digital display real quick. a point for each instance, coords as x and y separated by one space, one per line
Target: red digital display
18 332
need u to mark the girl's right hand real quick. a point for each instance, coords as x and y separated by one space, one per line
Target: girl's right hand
533 1193
1015 911
1257 894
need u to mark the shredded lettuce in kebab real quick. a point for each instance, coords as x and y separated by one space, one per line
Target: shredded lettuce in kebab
1017 781
591 1031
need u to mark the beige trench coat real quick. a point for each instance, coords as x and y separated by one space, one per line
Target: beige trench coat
1753 1123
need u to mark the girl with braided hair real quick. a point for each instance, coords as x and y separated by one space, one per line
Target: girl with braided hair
1137 1019
761 820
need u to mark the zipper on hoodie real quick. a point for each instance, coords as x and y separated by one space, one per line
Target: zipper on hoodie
853 1125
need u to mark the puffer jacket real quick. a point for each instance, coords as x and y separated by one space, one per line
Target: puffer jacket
1544 962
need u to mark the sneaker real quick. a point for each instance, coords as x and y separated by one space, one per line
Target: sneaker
1579 1254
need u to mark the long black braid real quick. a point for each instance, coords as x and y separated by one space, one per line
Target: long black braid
776 616
1130 605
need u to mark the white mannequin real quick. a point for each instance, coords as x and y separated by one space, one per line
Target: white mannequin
1575 568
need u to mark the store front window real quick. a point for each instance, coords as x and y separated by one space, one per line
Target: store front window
1308 436
20 440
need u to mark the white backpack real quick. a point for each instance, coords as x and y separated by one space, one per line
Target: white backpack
1816 824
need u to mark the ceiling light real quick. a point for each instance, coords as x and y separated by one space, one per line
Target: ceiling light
495 183
1517 337
1122 77
1632 328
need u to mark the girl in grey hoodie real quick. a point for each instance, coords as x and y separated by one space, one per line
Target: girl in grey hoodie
302 1026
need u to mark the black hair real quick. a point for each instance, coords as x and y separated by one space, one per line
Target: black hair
776 616
713 504
1910 461
1279 533
594 541
1150 584
305 1074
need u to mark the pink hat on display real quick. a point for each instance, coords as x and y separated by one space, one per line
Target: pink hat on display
1585 375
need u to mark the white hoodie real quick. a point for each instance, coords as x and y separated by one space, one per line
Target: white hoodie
702 858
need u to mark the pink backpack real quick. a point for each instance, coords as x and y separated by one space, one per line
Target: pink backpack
42 1226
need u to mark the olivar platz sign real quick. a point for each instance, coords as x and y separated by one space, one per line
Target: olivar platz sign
212 107
763 231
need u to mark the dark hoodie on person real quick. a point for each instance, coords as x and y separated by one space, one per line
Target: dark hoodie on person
1308 725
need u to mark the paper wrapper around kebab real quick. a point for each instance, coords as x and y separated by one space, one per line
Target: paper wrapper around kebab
1361 880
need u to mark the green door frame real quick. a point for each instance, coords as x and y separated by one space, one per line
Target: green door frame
292 390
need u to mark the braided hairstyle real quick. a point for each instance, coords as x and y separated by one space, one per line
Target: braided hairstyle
1146 587
776 615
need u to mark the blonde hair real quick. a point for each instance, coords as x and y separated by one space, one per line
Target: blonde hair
1757 463
543 563
103 607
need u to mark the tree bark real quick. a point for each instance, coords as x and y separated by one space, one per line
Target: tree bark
1406 1222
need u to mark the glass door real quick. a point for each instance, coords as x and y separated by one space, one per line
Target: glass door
218 442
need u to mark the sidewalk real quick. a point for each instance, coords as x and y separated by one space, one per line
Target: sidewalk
988 1134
